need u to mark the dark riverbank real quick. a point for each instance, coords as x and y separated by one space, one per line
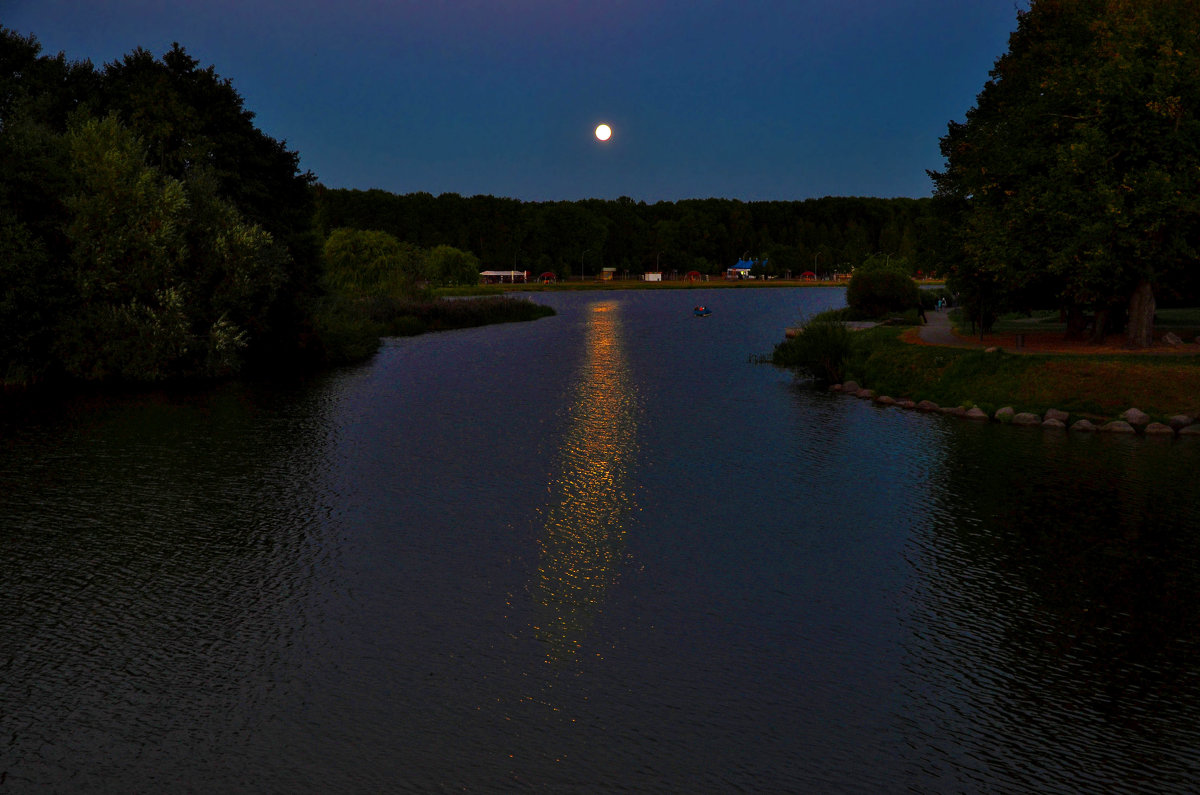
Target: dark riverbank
346 331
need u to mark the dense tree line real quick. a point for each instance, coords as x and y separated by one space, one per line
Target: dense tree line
1075 180
707 235
148 230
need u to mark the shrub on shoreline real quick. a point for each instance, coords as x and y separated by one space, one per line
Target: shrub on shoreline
821 350
440 314
876 290
350 329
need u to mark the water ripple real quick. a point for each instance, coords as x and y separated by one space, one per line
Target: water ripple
597 552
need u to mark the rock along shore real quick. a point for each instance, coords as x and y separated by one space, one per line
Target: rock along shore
1131 421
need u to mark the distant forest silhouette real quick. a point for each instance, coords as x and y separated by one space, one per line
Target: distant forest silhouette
826 235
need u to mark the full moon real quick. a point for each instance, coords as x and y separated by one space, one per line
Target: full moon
603 132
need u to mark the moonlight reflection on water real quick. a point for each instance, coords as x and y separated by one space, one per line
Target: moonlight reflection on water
584 532
600 551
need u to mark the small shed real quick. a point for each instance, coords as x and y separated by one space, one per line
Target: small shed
742 269
652 276
504 277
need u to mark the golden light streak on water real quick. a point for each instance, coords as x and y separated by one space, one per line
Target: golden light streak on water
583 539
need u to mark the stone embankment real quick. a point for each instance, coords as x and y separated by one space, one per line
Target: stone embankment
1132 421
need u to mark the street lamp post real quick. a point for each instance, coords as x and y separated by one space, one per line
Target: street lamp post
581 256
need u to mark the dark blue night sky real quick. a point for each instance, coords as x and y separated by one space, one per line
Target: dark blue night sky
740 99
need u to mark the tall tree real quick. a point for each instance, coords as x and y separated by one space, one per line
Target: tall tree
147 229
363 263
1078 170
166 278
37 94
127 234
194 124
449 265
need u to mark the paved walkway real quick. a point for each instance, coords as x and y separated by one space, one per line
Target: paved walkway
936 331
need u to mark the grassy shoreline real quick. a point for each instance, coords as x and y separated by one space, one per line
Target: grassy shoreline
1088 386
352 330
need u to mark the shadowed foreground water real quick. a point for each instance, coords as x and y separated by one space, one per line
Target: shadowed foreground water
601 551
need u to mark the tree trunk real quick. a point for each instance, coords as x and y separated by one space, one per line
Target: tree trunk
1076 323
1140 330
1099 326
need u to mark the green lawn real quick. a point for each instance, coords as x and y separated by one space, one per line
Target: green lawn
1097 387
1183 321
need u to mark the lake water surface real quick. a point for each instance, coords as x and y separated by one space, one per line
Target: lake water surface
602 551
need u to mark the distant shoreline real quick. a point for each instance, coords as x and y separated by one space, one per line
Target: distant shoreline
637 284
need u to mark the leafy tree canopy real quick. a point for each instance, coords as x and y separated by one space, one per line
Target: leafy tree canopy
449 265
148 230
1077 174
166 279
365 263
